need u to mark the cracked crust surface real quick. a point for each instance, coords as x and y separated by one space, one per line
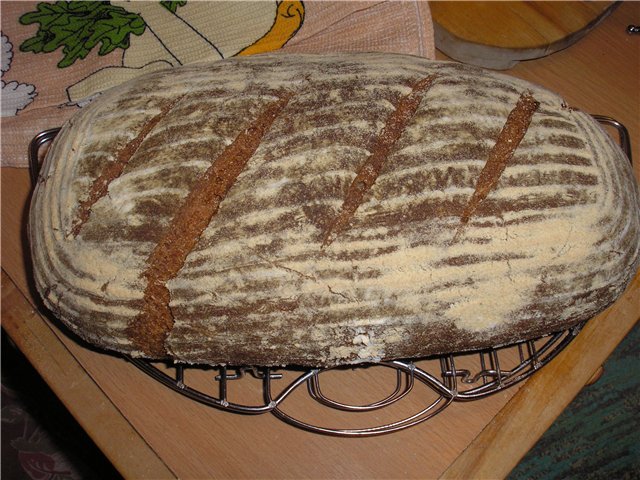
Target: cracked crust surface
553 237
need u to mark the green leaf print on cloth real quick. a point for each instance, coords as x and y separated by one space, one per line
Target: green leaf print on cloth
78 27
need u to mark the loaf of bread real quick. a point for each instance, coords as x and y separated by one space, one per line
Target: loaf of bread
327 210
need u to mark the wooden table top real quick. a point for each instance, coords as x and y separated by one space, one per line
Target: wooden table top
150 431
500 34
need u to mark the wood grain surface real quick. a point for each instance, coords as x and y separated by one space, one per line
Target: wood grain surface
71 382
492 452
500 34
157 433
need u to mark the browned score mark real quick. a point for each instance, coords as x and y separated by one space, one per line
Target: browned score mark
508 140
366 176
150 329
100 185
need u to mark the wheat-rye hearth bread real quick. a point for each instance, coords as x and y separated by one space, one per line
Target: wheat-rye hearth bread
326 210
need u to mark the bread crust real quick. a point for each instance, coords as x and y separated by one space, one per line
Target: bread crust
322 210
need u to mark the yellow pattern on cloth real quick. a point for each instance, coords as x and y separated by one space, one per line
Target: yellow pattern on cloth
37 94
197 32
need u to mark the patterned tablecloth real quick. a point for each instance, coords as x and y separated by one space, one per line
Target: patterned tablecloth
58 56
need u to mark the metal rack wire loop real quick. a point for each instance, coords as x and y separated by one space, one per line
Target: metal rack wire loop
404 385
623 134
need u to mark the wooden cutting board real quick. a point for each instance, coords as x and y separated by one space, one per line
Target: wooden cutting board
500 34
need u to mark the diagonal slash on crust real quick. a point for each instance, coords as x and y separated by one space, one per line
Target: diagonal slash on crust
396 123
100 186
149 330
508 140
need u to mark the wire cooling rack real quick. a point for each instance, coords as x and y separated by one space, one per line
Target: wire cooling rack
292 394
444 379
